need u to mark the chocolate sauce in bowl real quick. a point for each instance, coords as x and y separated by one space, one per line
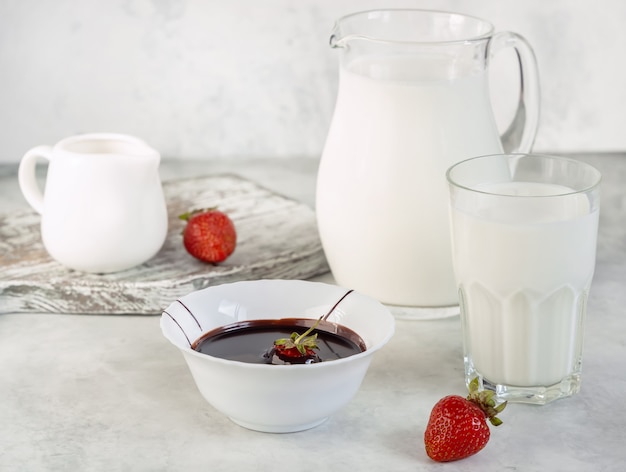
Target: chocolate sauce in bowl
252 341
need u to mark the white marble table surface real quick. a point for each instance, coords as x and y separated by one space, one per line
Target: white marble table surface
108 393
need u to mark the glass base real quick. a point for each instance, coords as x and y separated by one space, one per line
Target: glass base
537 395
423 313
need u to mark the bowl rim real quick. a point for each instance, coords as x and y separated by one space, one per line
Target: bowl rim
186 350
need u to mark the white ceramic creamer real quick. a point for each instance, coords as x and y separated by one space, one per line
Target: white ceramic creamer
413 99
103 209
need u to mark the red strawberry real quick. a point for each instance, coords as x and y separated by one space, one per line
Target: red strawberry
293 355
209 235
298 348
457 428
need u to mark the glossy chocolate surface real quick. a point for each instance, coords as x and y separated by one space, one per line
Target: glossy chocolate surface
252 341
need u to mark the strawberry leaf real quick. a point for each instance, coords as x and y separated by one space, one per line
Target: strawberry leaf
302 342
486 400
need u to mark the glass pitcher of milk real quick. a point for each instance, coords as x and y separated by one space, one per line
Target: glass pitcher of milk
413 99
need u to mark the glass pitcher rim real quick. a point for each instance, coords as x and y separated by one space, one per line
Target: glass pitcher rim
338 42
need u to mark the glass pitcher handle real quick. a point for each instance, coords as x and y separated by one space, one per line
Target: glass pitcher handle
521 133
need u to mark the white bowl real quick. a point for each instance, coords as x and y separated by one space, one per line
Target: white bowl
276 398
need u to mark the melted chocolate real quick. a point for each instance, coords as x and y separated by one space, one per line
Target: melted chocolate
252 341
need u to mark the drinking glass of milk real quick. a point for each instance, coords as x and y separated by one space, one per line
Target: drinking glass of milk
524 230
413 99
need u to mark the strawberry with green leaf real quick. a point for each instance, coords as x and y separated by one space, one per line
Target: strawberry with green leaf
210 235
298 348
457 427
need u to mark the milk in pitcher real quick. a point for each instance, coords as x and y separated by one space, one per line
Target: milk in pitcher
397 127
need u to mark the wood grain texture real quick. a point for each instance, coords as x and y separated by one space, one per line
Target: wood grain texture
277 238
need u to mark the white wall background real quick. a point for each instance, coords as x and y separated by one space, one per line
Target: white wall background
245 78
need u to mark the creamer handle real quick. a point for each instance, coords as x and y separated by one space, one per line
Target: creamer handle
27 178
520 136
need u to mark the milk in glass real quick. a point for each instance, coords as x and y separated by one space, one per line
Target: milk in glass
524 269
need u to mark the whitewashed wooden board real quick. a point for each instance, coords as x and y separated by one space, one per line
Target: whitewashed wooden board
277 238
